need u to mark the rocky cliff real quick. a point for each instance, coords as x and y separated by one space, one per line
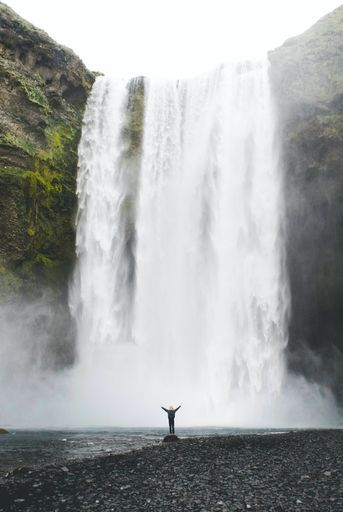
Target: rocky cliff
43 91
307 77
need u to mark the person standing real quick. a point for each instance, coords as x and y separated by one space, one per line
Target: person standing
171 417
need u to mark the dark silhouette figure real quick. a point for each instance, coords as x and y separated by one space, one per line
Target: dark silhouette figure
171 417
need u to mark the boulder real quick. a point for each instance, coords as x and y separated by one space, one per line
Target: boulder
171 438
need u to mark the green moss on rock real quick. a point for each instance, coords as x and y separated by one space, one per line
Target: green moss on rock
14 140
133 131
43 91
35 94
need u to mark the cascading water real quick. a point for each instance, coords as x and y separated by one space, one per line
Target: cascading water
179 292
101 302
211 297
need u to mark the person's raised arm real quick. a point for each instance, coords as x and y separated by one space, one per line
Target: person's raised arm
178 408
164 408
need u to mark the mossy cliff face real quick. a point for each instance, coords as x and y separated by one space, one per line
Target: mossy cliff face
307 77
43 91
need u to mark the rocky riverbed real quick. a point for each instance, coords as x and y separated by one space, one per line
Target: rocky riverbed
296 471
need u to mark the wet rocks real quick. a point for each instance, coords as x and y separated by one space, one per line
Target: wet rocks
254 472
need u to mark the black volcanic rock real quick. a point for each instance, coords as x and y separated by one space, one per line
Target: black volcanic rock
296 471
307 78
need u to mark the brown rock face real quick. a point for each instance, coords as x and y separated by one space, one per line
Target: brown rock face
307 77
43 91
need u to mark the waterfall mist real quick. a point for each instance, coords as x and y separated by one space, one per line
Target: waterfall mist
180 292
36 353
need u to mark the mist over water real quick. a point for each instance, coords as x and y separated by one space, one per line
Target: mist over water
35 353
180 292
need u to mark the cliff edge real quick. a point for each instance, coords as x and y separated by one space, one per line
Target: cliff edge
307 78
43 91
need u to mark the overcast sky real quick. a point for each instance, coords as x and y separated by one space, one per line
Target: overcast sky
170 37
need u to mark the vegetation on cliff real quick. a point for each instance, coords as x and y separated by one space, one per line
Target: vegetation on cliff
307 75
43 91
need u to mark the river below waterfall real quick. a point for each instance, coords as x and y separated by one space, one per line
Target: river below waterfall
38 448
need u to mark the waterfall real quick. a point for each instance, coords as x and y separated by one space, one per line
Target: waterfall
101 295
179 291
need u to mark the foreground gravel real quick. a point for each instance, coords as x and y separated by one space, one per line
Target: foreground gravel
296 471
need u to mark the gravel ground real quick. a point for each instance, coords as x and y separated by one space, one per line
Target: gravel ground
297 471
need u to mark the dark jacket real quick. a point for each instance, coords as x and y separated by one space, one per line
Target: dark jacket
171 413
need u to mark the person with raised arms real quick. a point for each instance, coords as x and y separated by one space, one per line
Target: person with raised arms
171 417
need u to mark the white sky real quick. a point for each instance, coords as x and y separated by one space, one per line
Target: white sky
170 37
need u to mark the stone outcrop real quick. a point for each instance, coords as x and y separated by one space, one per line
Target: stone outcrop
43 91
171 438
307 77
